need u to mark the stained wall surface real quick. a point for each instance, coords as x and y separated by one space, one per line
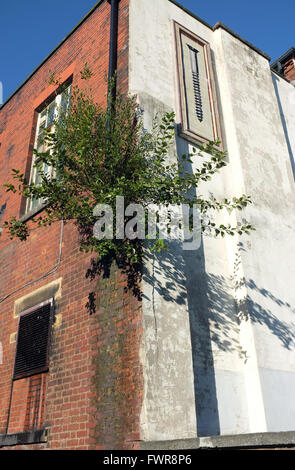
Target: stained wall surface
234 296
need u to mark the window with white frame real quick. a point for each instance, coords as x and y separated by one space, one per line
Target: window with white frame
46 120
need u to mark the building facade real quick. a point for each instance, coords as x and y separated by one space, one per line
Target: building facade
209 350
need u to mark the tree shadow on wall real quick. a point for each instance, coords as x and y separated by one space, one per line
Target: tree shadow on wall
180 277
103 267
283 331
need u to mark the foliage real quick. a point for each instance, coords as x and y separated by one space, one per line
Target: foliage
98 154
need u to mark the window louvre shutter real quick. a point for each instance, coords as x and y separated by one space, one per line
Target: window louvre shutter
32 343
196 83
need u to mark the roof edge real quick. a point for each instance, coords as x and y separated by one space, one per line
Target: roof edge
214 28
191 14
53 52
237 36
219 24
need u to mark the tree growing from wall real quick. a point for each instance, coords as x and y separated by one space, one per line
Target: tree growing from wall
98 154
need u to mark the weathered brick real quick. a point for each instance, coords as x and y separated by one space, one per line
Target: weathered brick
87 388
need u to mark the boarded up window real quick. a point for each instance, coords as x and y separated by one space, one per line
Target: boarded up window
33 342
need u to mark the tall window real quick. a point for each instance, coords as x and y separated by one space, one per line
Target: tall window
198 99
46 119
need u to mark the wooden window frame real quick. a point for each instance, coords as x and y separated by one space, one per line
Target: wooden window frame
40 119
184 129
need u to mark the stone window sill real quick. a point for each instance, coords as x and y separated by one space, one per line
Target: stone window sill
32 213
22 438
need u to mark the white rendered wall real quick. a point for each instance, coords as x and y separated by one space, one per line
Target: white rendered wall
195 303
260 158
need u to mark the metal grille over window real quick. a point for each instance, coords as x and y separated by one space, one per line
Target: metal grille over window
32 343
196 82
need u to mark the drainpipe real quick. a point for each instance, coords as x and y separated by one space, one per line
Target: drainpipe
113 52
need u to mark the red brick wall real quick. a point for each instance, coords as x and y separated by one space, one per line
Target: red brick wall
289 70
27 404
117 375
93 389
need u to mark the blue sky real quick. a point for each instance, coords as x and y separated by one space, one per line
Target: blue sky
30 29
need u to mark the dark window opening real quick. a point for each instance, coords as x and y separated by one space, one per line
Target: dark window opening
33 342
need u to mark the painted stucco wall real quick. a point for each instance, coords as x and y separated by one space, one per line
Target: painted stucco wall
218 322
261 164
285 93
193 287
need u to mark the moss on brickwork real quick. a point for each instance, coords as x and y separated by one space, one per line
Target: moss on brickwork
117 379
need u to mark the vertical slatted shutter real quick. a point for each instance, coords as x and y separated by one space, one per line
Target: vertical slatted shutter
196 82
33 342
